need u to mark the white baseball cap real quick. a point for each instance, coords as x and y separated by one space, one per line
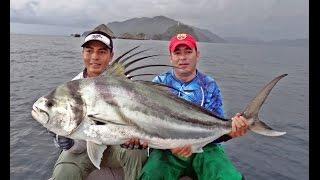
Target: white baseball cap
99 36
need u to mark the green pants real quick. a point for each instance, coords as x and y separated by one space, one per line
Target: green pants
211 164
71 166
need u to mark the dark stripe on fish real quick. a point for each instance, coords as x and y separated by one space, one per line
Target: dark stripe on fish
167 132
182 117
50 96
166 113
77 109
163 113
104 91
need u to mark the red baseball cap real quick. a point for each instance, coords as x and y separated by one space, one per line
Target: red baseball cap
183 38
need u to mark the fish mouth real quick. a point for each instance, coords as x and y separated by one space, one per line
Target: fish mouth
40 115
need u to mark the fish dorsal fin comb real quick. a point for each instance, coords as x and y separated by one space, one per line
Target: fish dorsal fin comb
119 66
117 69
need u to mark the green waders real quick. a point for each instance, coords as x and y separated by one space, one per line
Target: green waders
71 166
212 164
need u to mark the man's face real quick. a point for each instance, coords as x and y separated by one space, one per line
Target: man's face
96 57
185 58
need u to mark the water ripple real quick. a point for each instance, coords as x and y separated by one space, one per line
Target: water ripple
40 63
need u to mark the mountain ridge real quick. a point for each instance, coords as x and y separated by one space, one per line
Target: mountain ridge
158 26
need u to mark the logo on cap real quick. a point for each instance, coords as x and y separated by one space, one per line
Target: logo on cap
96 36
181 36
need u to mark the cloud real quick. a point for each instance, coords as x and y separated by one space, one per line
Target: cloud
225 17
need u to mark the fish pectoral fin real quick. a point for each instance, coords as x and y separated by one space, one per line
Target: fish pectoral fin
101 121
197 149
95 152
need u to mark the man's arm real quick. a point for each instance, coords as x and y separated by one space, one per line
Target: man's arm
214 103
213 100
239 128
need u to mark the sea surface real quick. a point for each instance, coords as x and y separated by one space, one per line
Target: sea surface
40 63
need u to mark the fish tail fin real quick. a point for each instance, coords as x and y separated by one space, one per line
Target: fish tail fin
252 110
262 128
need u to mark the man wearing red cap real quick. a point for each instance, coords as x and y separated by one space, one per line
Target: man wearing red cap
192 85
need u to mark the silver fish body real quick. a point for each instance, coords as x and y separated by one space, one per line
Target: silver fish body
133 109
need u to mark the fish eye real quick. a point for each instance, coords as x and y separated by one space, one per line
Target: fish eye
49 103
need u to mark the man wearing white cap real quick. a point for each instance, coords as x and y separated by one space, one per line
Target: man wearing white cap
73 162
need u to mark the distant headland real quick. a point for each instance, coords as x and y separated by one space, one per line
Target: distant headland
162 28
156 28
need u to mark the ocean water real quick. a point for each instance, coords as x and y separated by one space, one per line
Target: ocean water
40 63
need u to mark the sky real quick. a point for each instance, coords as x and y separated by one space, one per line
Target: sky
255 19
